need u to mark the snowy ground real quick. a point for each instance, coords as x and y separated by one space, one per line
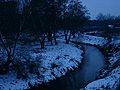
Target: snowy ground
89 39
116 55
54 61
114 58
116 40
108 83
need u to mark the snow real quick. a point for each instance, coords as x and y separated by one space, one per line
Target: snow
108 83
65 57
9 81
54 61
116 40
114 58
89 39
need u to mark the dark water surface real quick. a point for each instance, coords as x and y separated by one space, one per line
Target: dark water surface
88 71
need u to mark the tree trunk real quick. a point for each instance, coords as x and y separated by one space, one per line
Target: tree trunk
49 35
51 40
55 38
67 37
42 42
73 34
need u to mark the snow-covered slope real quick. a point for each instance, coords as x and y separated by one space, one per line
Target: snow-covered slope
54 61
110 82
114 58
89 39
65 57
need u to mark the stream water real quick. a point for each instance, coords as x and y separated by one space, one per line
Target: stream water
88 71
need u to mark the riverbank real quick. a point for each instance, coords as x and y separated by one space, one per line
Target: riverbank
111 52
41 66
59 64
110 74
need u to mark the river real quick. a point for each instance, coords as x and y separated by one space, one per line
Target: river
86 73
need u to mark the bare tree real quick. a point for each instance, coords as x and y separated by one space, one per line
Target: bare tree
10 50
74 17
45 14
13 28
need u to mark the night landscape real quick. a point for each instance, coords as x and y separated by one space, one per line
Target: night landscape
59 45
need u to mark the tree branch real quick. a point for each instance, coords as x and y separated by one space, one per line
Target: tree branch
17 36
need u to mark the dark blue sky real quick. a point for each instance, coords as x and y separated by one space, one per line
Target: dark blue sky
102 6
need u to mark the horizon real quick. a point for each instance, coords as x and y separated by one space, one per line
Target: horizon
105 7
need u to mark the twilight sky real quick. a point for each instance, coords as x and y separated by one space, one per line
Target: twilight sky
102 6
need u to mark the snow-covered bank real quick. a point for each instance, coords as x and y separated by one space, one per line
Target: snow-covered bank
59 59
54 61
115 56
89 39
100 41
108 83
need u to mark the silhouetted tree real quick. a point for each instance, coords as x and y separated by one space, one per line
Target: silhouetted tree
10 31
45 14
74 17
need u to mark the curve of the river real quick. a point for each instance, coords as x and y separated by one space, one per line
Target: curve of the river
92 63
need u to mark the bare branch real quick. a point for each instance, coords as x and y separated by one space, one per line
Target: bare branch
18 35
